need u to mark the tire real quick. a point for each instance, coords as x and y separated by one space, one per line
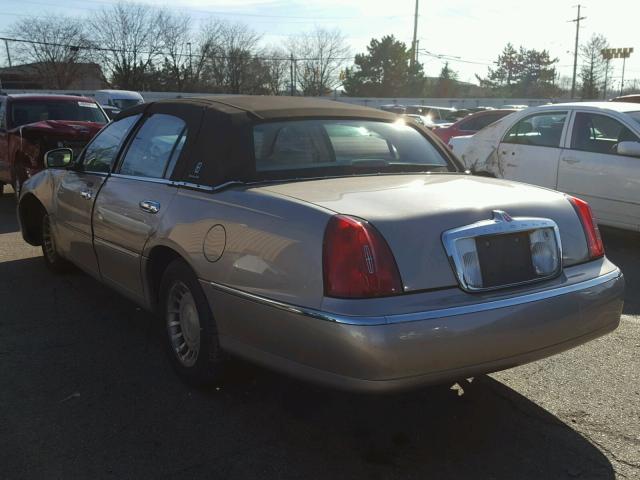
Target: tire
52 258
1 189
190 329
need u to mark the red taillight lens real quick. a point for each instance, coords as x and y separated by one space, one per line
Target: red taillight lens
591 231
357 262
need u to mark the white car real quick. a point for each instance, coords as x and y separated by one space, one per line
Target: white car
118 99
590 149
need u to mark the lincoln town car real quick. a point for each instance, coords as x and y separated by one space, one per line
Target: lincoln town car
328 241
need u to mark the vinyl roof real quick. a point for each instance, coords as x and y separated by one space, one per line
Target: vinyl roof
273 107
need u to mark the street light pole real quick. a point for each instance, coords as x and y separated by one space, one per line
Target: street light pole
624 62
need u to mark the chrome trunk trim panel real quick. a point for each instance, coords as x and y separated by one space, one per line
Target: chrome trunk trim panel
424 315
501 224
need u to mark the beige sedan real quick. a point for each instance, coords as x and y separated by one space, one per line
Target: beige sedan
329 241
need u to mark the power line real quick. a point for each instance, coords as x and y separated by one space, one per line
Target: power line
227 13
119 50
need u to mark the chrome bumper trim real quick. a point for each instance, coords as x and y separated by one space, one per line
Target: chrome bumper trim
423 315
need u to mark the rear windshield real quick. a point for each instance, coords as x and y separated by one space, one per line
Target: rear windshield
23 113
337 147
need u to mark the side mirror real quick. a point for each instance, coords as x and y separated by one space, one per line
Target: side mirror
630 149
58 158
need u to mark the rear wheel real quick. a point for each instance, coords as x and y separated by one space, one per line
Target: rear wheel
190 329
52 258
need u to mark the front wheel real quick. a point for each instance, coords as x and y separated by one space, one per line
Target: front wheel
52 258
190 329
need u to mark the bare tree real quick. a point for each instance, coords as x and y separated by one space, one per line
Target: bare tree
57 50
175 36
278 70
320 54
128 38
230 55
207 45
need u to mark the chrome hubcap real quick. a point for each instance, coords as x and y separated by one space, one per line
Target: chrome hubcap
183 324
47 241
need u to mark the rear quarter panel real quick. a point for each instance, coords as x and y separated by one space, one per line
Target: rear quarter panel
272 244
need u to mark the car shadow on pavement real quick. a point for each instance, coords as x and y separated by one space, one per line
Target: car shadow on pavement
9 221
87 392
623 248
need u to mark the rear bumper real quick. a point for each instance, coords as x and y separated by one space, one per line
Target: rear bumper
393 352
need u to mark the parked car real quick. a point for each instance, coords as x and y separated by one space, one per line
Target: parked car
32 124
591 150
325 240
471 124
118 99
419 119
627 99
515 107
393 108
434 116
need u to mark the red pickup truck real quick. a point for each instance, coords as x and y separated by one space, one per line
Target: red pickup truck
30 125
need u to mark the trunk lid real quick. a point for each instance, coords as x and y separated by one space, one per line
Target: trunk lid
412 212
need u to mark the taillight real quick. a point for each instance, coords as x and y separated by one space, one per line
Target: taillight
356 261
589 225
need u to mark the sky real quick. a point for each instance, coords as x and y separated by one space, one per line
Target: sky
470 33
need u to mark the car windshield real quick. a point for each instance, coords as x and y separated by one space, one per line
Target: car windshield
635 116
339 147
23 113
123 103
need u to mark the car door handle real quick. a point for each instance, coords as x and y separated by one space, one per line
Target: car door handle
86 194
570 160
150 206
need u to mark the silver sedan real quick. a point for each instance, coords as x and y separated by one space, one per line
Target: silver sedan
328 241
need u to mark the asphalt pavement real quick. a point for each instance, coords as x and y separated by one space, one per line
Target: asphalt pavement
87 392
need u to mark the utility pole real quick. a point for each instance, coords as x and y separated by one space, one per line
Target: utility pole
414 44
575 52
190 63
6 45
292 75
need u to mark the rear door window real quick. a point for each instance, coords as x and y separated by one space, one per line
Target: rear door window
541 130
155 147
